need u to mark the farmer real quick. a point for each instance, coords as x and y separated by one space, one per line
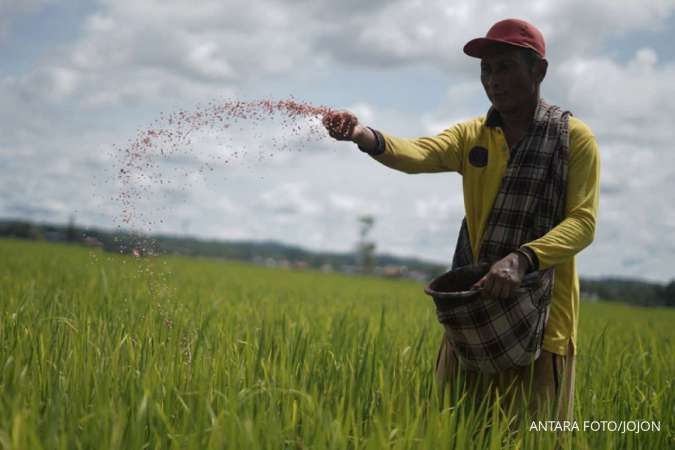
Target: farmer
524 151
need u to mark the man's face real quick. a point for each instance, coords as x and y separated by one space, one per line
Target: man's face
509 82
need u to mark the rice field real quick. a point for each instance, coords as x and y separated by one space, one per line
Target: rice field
102 351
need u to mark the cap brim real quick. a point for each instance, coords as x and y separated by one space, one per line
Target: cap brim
476 47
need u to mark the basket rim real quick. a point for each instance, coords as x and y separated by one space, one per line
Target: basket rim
482 268
529 280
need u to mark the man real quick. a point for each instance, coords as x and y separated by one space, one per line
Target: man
487 151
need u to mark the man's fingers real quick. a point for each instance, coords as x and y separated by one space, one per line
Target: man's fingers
347 125
329 119
479 284
496 286
488 286
351 125
340 125
504 290
332 121
337 135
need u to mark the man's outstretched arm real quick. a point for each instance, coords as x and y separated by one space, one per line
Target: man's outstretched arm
441 153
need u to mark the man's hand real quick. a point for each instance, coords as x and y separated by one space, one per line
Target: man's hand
504 277
343 126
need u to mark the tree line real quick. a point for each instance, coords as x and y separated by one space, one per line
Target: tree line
632 291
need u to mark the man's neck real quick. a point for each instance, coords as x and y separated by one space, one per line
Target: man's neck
520 119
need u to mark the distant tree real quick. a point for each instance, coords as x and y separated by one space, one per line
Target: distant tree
71 230
22 230
669 293
365 247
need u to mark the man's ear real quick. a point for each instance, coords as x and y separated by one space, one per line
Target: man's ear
540 68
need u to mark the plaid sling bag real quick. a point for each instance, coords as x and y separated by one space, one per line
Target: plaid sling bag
492 335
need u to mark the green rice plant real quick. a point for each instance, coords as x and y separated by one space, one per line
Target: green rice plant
101 351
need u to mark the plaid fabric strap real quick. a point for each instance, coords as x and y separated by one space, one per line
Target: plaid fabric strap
492 334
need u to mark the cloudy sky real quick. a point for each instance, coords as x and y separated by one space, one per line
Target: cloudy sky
78 79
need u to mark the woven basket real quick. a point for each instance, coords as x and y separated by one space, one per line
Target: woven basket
491 334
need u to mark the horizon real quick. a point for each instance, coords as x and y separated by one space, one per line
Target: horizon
304 249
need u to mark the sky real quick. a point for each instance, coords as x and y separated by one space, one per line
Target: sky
78 79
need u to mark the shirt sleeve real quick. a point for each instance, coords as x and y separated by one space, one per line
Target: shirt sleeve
440 153
577 229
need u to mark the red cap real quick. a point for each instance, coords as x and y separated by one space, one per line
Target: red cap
510 31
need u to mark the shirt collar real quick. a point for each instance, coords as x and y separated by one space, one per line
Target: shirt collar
493 118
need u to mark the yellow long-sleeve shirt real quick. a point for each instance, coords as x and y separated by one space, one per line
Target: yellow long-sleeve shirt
448 151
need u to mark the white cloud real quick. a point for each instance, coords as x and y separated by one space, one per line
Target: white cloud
290 198
363 111
434 32
154 49
630 101
346 203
